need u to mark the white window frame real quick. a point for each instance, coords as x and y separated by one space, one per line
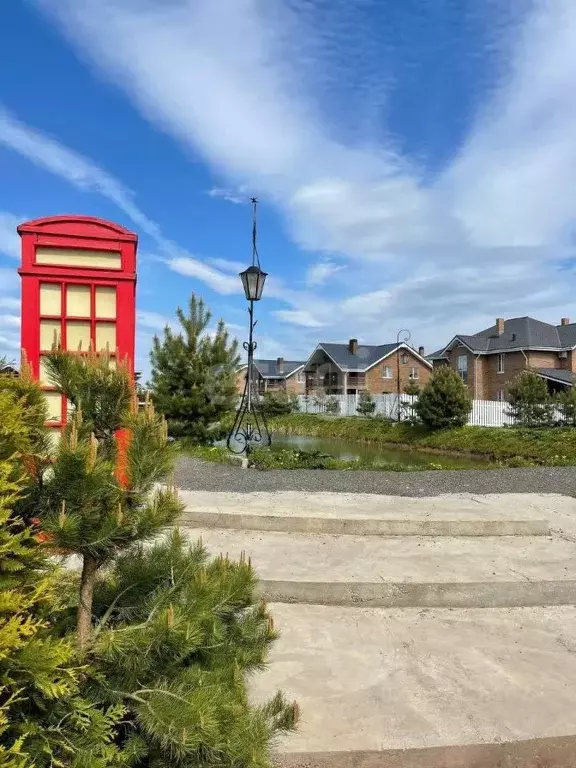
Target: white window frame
462 364
500 396
414 373
500 364
404 358
385 374
300 377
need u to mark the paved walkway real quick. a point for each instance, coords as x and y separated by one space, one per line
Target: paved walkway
194 474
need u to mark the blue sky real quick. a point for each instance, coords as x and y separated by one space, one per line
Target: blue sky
415 160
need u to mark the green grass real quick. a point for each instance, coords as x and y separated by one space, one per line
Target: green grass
509 446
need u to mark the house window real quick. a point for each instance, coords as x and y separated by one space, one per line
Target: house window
404 358
463 368
500 368
500 395
300 378
387 372
414 373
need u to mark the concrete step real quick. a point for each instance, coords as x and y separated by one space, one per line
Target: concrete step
389 688
370 515
404 570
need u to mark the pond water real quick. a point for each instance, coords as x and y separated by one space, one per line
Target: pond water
348 449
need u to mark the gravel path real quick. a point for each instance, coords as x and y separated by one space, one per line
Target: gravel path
196 475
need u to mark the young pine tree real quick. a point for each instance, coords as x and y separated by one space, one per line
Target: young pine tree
444 402
99 497
529 400
366 404
169 636
193 374
43 719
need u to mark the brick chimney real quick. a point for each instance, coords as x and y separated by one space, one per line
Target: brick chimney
280 364
565 321
499 326
421 351
353 346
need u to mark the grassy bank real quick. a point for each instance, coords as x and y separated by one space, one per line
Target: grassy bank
507 445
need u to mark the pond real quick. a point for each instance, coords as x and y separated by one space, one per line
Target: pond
348 449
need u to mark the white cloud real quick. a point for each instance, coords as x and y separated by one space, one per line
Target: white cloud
153 320
9 302
228 265
321 272
9 238
481 238
299 317
10 321
228 194
219 282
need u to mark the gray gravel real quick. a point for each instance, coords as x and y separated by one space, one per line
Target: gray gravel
196 475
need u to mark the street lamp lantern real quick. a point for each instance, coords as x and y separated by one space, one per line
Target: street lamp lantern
253 280
250 428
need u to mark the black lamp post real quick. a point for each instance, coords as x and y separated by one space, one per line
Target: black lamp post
250 428
405 340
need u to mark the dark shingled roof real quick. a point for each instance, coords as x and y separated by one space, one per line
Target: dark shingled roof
558 374
522 332
268 369
438 355
365 357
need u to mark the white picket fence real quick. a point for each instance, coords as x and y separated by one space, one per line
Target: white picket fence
485 413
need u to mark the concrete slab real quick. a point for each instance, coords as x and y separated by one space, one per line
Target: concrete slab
403 559
427 684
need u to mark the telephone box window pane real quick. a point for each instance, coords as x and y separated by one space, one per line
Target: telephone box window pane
54 435
78 257
50 299
44 379
112 363
78 301
54 402
78 335
49 332
105 301
106 336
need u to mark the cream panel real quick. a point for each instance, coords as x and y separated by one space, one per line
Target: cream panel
78 301
105 301
78 335
78 257
43 372
54 435
50 299
106 336
47 330
54 401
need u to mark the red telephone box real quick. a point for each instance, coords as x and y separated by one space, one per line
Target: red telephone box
78 286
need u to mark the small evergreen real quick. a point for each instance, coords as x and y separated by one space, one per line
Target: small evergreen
280 403
566 401
444 402
166 635
44 721
194 375
366 404
530 403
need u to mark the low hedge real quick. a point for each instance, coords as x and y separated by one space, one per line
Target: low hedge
513 446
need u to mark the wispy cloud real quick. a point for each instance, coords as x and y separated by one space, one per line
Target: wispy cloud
228 265
321 272
222 77
228 194
301 317
186 265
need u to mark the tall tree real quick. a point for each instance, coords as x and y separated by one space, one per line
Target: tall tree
529 400
193 374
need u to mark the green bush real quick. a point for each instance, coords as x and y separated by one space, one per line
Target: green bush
530 403
280 403
444 402
366 404
567 405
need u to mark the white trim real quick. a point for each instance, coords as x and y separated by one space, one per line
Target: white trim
501 359
319 346
502 351
396 348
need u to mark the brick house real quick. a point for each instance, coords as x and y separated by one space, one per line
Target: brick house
488 360
351 368
274 375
